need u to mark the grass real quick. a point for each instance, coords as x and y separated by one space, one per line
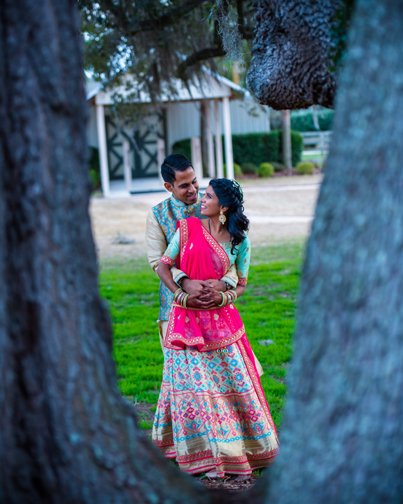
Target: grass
267 309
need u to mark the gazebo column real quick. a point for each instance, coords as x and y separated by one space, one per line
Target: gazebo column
229 160
103 154
218 141
210 143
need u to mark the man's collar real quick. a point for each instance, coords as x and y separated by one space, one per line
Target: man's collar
178 203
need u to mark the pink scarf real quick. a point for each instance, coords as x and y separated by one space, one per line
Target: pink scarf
202 258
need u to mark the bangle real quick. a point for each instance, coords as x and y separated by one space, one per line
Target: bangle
224 298
176 292
232 296
179 297
184 300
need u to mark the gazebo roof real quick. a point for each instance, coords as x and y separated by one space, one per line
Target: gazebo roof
213 86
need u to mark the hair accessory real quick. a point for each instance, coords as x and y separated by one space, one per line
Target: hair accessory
222 217
238 187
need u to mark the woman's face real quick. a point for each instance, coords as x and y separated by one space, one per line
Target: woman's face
210 205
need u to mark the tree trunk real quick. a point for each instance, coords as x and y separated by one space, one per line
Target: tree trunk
343 430
66 434
290 54
286 138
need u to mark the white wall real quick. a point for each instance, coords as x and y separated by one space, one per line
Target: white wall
92 132
183 119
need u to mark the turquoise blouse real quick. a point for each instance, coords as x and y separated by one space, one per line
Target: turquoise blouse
241 255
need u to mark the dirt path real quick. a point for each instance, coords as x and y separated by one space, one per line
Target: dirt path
279 209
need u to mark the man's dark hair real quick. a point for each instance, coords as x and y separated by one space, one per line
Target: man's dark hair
173 163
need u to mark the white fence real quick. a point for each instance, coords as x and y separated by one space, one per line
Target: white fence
316 142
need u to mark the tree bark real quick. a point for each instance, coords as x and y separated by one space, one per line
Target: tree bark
343 430
290 54
286 138
66 434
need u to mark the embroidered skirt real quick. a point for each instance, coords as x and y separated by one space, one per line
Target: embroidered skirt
212 413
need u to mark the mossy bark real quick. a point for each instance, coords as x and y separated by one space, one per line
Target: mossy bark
290 55
343 430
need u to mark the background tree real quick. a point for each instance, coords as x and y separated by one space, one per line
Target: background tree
159 42
66 435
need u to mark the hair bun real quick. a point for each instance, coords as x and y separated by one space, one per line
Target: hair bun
237 190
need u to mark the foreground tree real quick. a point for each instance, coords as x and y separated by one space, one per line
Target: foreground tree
341 438
66 434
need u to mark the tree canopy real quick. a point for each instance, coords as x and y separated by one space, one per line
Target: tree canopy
161 41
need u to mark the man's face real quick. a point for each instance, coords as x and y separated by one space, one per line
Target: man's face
186 187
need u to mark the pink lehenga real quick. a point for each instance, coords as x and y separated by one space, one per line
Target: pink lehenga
211 412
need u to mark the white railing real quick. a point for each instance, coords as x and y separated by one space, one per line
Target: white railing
316 141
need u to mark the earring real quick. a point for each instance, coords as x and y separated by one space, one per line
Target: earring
222 217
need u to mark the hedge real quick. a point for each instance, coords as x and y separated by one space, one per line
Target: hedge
183 147
255 148
303 120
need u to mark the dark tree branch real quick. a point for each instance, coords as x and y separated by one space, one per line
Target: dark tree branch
203 54
154 22
290 56
241 24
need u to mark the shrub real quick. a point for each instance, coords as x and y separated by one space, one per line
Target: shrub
266 170
183 147
278 167
96 179
93 159
249 168
237 170
255 148
305 168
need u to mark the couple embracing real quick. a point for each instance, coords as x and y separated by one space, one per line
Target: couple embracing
212 414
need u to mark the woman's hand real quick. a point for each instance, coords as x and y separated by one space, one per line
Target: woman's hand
211 295
195 301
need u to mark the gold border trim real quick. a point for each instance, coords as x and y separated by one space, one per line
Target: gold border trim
167 260
224 342
258 387
217 248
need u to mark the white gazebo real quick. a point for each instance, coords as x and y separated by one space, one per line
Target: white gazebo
137 155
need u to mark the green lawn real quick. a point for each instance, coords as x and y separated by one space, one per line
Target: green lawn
267 309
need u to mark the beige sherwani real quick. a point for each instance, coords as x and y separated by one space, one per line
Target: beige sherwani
160 229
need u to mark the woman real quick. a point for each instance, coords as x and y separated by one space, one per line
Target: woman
212 414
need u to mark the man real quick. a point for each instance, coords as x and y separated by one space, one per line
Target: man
180 180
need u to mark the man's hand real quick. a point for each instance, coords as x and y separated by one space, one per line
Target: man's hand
217 285
192 287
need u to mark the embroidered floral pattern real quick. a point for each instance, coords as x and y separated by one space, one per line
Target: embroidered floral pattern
208 408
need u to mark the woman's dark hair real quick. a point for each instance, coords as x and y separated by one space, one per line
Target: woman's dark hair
229 194
173 163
